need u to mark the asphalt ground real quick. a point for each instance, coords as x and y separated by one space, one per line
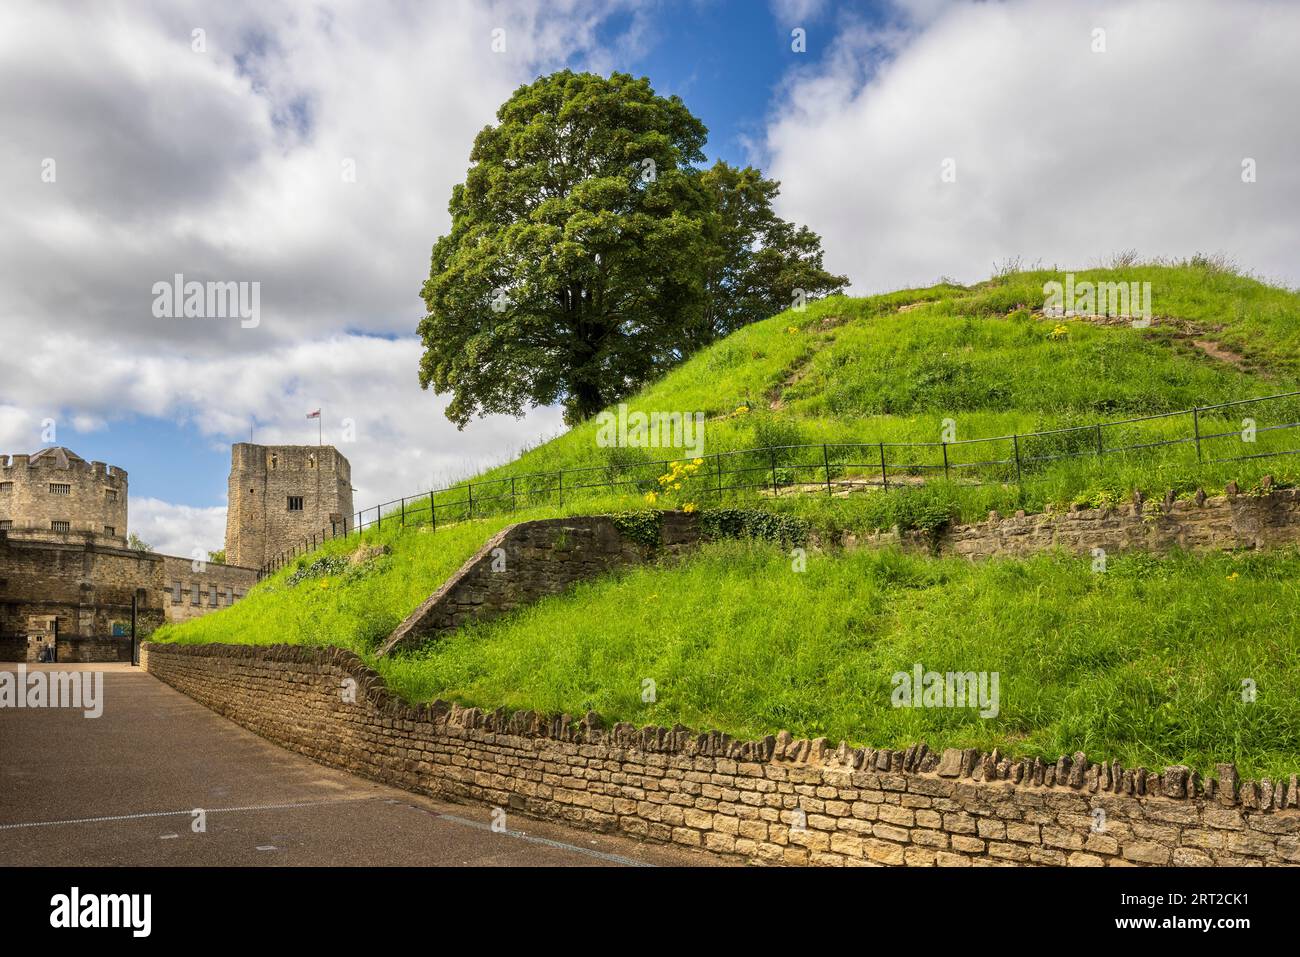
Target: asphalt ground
122 788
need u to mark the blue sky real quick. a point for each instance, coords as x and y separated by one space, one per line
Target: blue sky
725 59
207 139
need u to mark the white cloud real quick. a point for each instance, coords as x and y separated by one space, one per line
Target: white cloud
796 12
178 529
227 164
1062 154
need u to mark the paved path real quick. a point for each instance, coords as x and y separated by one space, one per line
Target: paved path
120 789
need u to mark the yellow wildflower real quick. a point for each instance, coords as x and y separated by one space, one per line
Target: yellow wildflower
688 507
651 497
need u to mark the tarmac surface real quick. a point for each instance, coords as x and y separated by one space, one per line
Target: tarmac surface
122 789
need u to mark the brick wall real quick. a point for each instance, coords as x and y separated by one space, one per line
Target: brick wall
1200 524
777 800
530 560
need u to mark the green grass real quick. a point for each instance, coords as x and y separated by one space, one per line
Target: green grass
1144 663
352 607
848 372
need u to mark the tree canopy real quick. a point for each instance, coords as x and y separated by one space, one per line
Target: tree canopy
588 252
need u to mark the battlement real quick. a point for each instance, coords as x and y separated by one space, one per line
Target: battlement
60 459
57 492
258 459
279 495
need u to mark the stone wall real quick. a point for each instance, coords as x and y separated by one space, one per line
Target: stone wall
188 593
530 560
778 800
94 649
1231 521
88 586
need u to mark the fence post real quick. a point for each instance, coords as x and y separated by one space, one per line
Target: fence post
433 511
403 512
772 455
1015 441
884 472
945 460
826 460
717 460
1100 451
1196 427
561 487
469 488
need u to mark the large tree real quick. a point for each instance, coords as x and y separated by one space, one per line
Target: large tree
756 264
588 252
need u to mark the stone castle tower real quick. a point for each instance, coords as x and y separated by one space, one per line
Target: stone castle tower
282 494
56 494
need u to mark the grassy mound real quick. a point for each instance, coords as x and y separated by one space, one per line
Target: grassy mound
1144 663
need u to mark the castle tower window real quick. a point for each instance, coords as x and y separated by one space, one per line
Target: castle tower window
110 531
60 488
6 523
295 503
60 527
6 486
110 495
194 594
176 593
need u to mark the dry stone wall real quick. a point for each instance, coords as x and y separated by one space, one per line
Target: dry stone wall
777 800
525 562
1200 524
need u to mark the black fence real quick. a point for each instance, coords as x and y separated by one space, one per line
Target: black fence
1201 434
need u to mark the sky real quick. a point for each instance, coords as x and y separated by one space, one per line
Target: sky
311 148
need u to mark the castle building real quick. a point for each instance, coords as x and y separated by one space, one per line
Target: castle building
68 578
56 493
281 495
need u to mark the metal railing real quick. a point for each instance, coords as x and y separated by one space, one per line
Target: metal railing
777 470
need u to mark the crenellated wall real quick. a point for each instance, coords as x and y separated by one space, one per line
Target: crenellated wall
263 479
56 485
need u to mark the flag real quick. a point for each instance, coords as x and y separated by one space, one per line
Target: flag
314 415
